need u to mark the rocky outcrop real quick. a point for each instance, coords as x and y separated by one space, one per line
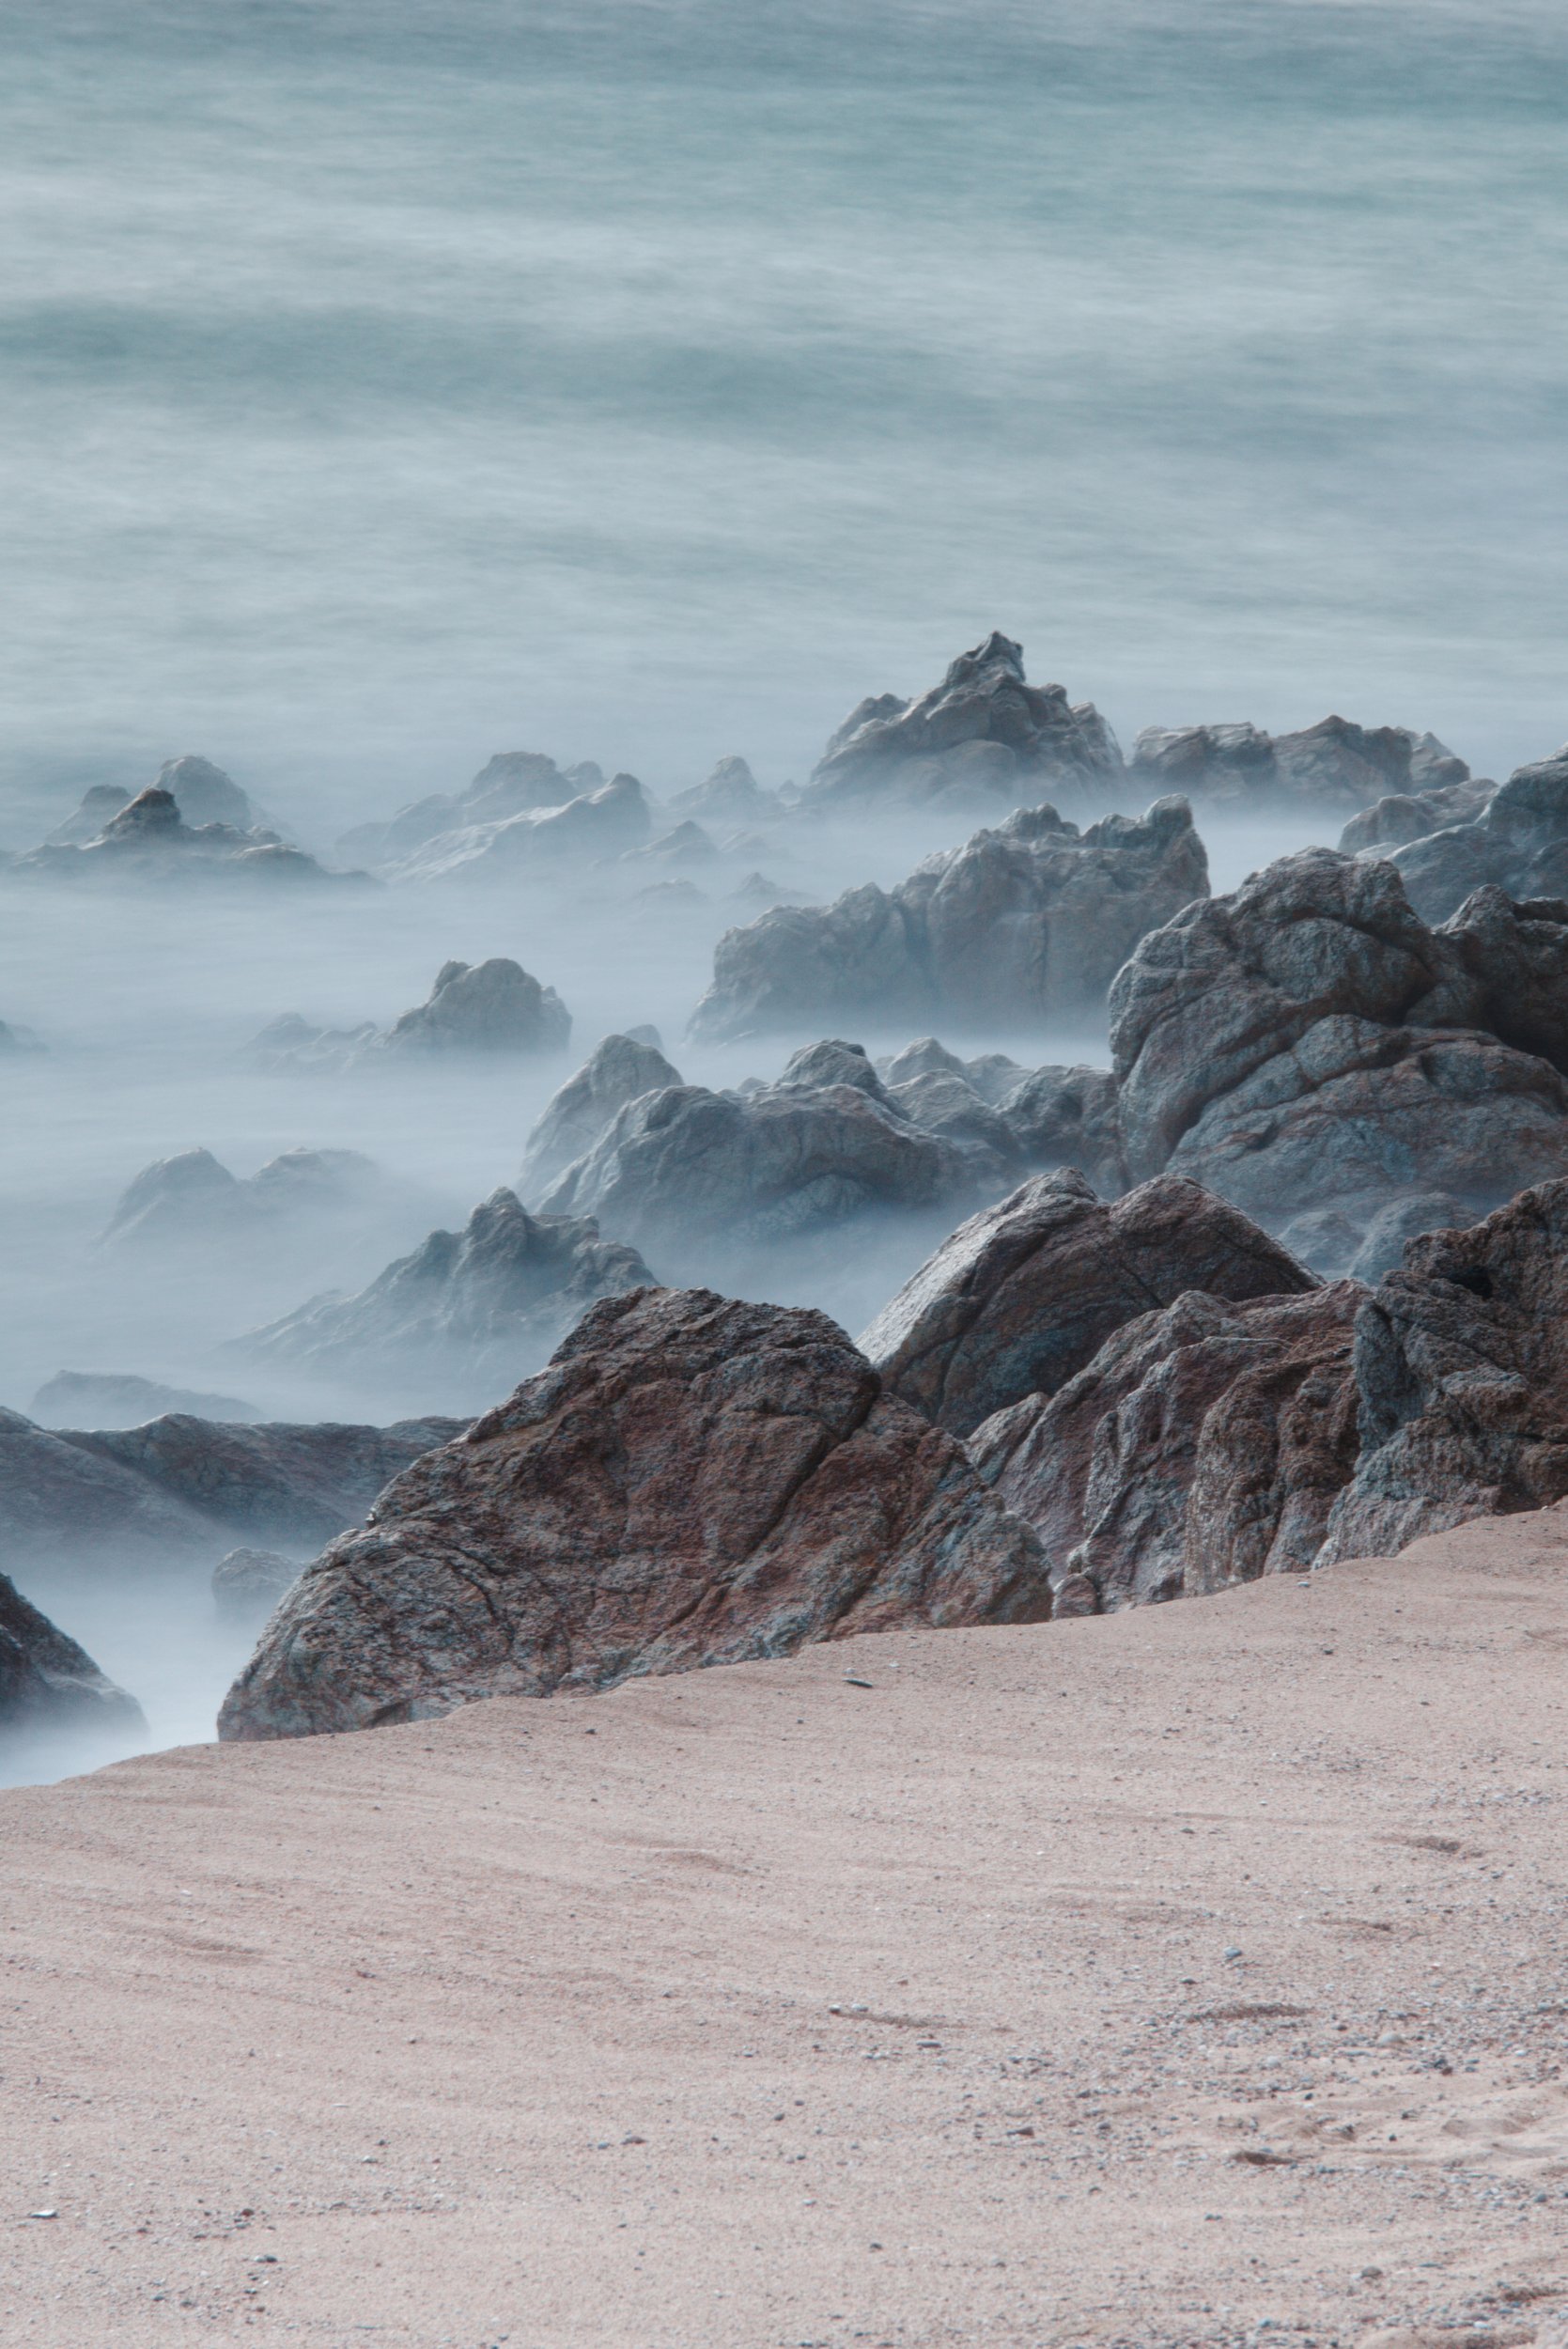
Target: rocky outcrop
687 1174
100 1398
618 1071
247 1584
202 793
513 783
692 1482
1070 1117
1411 815
1334 766
591 827
991 1075
473 1009
47 1681
1462 1367
1022 1296
1019 926
192 1199
1309 1041
467 1311
62 1503
1516 841
730 794
149 839
984 733
1204 1445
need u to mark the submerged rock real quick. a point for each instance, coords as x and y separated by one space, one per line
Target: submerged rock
619 1069
472 1009
982 733
1335 765
511 783
47 1681
693 1481
100 1398
474 1308
1020 1297
1019 925
730 794
202 793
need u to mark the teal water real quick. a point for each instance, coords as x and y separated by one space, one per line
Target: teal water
385 384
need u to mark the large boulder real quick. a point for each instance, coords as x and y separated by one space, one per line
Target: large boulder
1335 765
1204 1445
693 1481
467 1311
1020 926
982 733
618 1071
494 1007
47 1681
1022 1296
1518 841
1462 1367
61 1502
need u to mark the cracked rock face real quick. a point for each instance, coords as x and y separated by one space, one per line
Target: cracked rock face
1021 1297
1516 840
693 1481
1204 1445
1019 924
47 1680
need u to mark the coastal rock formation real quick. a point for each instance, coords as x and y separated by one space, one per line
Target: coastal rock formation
1518 841
100 1398
488 1008
1019 925
61 1502
618 1071
991 1075
693 1481
47 1681
1070 1117
147 839
730 794
1204 1445
1021 1297
982 733
469 1310
1462 1367
587 829
1335 765
202 793
513 783
247 1584
1411 815
192 1199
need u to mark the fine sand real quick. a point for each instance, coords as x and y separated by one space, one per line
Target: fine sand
1193 1976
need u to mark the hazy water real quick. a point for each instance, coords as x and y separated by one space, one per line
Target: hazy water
384 385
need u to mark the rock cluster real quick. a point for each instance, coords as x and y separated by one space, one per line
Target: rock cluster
693 1481
585 829
1333 766
1021 925
202 793
47 1681
1516 841
484 1008
513 783
619 1069
147 839
193 1199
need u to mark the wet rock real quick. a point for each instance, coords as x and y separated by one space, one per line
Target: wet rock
1022 1296
1204 1445
47 1681
982 733
96 1398
1335 765
247 1584
494 1007
1462 1367
619 1069
693 1481
1019 925
191 1200
1518 842
467 1311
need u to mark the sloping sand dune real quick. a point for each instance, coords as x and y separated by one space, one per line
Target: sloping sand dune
1130 1980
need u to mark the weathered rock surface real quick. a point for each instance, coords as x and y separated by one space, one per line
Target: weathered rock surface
483 1008
692 1482
60 1500
982 733
192 1199
147 839
594 825
100 1398
247 1584
1462 1365
1070 1117
991 1075
202 793
1022 1296
1518 841
1019 925
1204 1445
47 1681
1411 815
469 1309
1333 766
618 1071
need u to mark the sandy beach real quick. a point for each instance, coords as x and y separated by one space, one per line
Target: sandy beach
1194 1975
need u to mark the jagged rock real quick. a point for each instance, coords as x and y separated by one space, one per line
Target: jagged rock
97 1398
1411 815
494 1007
511 783
1382 1249
1518 842
1070 1117
149 839
248 1583
1462 1367
1204 1445
471 1308
693 1481
731 795
685 1173
1023 1295
593 826
992 1075
983 732
619 1069
1019 925
1309 1040
202 793
192 1199
47 1681
1333 765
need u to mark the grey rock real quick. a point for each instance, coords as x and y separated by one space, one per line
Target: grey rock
1408 1218
191 1200
1518 841
619 1069
47 1681
77 1398
684 845
593 826
1334 764
511 783
247 1584
494 1007
147 839
202 793
1404 816
1070 1117
730 794
991 1075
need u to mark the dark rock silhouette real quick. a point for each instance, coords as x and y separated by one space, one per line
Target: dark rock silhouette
47 1681
202 793
693 1481
1019 925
